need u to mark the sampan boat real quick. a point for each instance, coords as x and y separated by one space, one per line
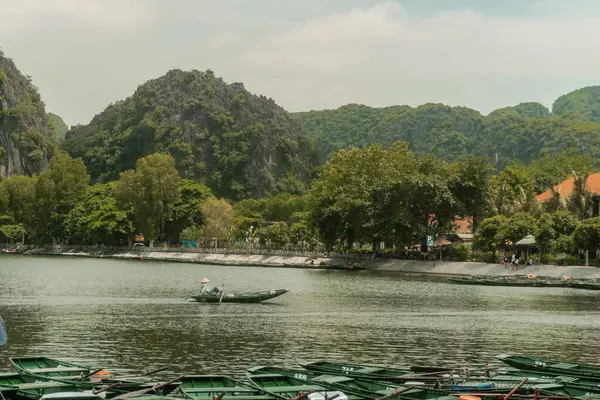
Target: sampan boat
209 387
49 368
290 388
551 367
239 297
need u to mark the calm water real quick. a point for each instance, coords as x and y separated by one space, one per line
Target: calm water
132 314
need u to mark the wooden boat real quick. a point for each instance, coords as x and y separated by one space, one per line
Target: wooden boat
241 297
49 367
290 388
206 386
551 367
517 281
356 370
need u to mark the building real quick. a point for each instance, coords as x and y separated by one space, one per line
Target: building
565 188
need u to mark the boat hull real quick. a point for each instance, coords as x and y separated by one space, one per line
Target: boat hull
243 297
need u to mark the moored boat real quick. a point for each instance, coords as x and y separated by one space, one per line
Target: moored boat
206 386
551 367
240 297
49 367
290 388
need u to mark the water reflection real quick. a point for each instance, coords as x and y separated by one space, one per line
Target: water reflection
133 315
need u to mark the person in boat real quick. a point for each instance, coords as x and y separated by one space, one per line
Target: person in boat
206 289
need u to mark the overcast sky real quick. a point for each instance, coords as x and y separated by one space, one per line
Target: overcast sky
308 54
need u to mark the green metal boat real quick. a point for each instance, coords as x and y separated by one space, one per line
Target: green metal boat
49 367
206 386
357 370
290 388
241 297
551 367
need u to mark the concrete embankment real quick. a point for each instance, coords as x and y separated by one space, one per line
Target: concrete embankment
200 258
476 268
401 266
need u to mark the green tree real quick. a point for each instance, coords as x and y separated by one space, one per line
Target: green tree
275 235
187 209
587 234
97 219
488 235
218 218
21 196
59 188
545 234
470 185
151 191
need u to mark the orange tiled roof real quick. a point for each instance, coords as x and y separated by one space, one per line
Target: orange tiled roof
464 225
566 187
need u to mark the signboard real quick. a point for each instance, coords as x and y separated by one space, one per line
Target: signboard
430 240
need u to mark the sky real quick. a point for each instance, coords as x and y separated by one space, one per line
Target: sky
308 54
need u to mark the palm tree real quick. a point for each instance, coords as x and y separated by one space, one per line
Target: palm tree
580 201
526 202
556 202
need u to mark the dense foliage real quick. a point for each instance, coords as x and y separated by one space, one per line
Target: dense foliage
238 144
525 132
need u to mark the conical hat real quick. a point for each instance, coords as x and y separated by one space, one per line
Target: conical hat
204 280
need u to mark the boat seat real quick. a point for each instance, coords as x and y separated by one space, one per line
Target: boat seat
367 370
564 365
566 379
48 370
219 390
300 388
44 385
331 379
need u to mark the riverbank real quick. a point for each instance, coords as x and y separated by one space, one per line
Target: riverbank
319 262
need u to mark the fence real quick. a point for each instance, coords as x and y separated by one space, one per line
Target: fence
251 250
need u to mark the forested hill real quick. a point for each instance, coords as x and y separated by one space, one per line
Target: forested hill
239 144
26 136
525 132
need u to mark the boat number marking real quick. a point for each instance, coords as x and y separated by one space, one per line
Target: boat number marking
347 369
300 376
540 364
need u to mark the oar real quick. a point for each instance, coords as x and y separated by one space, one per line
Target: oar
335 396
145 374
394 393
516 388
220 397
144 391
105 388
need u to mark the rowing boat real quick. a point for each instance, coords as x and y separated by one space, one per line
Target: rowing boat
551 367
240 297
290 388
199 387
49 367
356 370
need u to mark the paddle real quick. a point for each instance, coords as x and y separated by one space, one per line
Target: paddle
222 293
153 388
394 393
515 388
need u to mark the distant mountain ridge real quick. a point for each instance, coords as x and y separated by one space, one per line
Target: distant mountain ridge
240 144
525 132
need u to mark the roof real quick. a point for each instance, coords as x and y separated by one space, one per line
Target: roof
528 240
566 187
463 225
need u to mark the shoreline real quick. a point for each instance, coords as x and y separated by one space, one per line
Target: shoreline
411 267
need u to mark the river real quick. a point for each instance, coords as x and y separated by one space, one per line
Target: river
132 315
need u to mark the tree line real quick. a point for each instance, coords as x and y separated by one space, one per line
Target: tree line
370 197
